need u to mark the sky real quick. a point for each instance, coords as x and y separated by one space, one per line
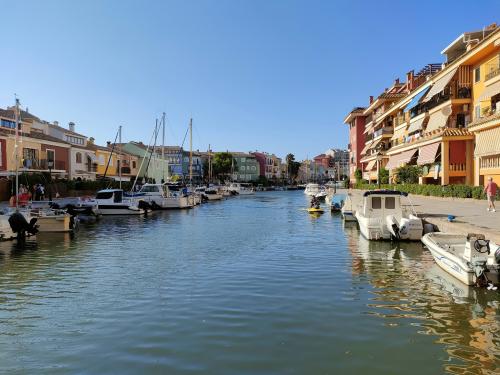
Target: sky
268 75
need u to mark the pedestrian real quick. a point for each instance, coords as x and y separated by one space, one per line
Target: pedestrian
42 192
491 191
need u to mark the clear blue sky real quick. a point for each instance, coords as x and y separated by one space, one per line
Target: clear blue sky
277 76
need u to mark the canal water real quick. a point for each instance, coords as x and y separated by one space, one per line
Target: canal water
250 285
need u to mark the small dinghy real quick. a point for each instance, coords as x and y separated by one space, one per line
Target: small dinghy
471 259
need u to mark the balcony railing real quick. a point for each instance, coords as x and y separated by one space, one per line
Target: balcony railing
494 71
44 164
387 130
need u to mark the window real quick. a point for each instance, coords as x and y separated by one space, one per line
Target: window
477 74
101 159
104 195
78 157
133 164
376 203
390 203
8 124
51 157
477 112
75 140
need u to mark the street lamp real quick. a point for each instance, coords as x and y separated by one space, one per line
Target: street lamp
50 164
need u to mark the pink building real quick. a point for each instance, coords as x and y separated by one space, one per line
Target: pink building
356 121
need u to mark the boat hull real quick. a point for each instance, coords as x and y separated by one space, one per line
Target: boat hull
119 210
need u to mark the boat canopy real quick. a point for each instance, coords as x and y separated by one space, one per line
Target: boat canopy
384 192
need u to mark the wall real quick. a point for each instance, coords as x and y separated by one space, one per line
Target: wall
61 156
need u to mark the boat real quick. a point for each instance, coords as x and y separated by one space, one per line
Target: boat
321 196
470 258
311 189
210 193
347 211
241 188
160 197
52 220
315 210
382 217
113 202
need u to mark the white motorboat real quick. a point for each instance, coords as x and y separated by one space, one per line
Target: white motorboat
311 189
321 196
209 193
470 258
160 196
382 217
346 210
242 188
52 220
113 202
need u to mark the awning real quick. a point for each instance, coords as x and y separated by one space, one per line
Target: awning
427 154
399 133
405 157
370 165
487 142
92 157
366 148
367 129
416 99
438 119
490 91
374 144
440 85
393 162
416 125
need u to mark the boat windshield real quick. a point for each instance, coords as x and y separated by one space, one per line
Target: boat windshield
104 195
150 189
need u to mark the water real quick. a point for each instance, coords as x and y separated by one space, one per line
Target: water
251 285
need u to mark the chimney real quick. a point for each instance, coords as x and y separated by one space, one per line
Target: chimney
71 126
91 140
396 81
410 80
371 99
56 123
108 143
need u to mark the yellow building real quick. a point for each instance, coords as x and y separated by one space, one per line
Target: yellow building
108 163
486 120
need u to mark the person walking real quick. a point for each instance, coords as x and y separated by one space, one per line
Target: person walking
491 191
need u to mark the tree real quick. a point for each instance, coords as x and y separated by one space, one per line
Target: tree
223 164
383 176
292 166
408 174
358 175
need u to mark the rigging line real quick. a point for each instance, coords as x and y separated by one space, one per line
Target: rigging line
109 159
142 162
154 146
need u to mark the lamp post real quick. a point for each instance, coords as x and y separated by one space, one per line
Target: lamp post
50 164
378 169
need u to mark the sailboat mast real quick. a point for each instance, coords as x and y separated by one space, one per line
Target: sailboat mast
120 155
163 150
209 165
16 148
191 152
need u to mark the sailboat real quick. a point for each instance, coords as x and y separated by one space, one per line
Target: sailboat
113 201
160 195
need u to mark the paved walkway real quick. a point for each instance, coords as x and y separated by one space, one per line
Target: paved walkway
471 214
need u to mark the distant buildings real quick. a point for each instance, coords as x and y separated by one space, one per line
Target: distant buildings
444 118
270 165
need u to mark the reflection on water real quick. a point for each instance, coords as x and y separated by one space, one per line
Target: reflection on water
250 285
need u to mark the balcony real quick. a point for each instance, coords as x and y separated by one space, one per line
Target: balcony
44 164
382 131
451 92
493 72
126 170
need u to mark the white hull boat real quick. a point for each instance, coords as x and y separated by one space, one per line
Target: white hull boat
470 259
112 202
241 188
382 217
160 196
311 189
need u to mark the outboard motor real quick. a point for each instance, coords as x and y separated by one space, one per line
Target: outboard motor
144 205
20 225
477 249
393 226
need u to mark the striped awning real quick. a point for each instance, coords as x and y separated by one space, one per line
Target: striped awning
399 133
366 148
374 144
393 162
369 127
405 157
92 156
440 85
490 91
438 119
416 125
428 153
487 142
416 99
370 165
